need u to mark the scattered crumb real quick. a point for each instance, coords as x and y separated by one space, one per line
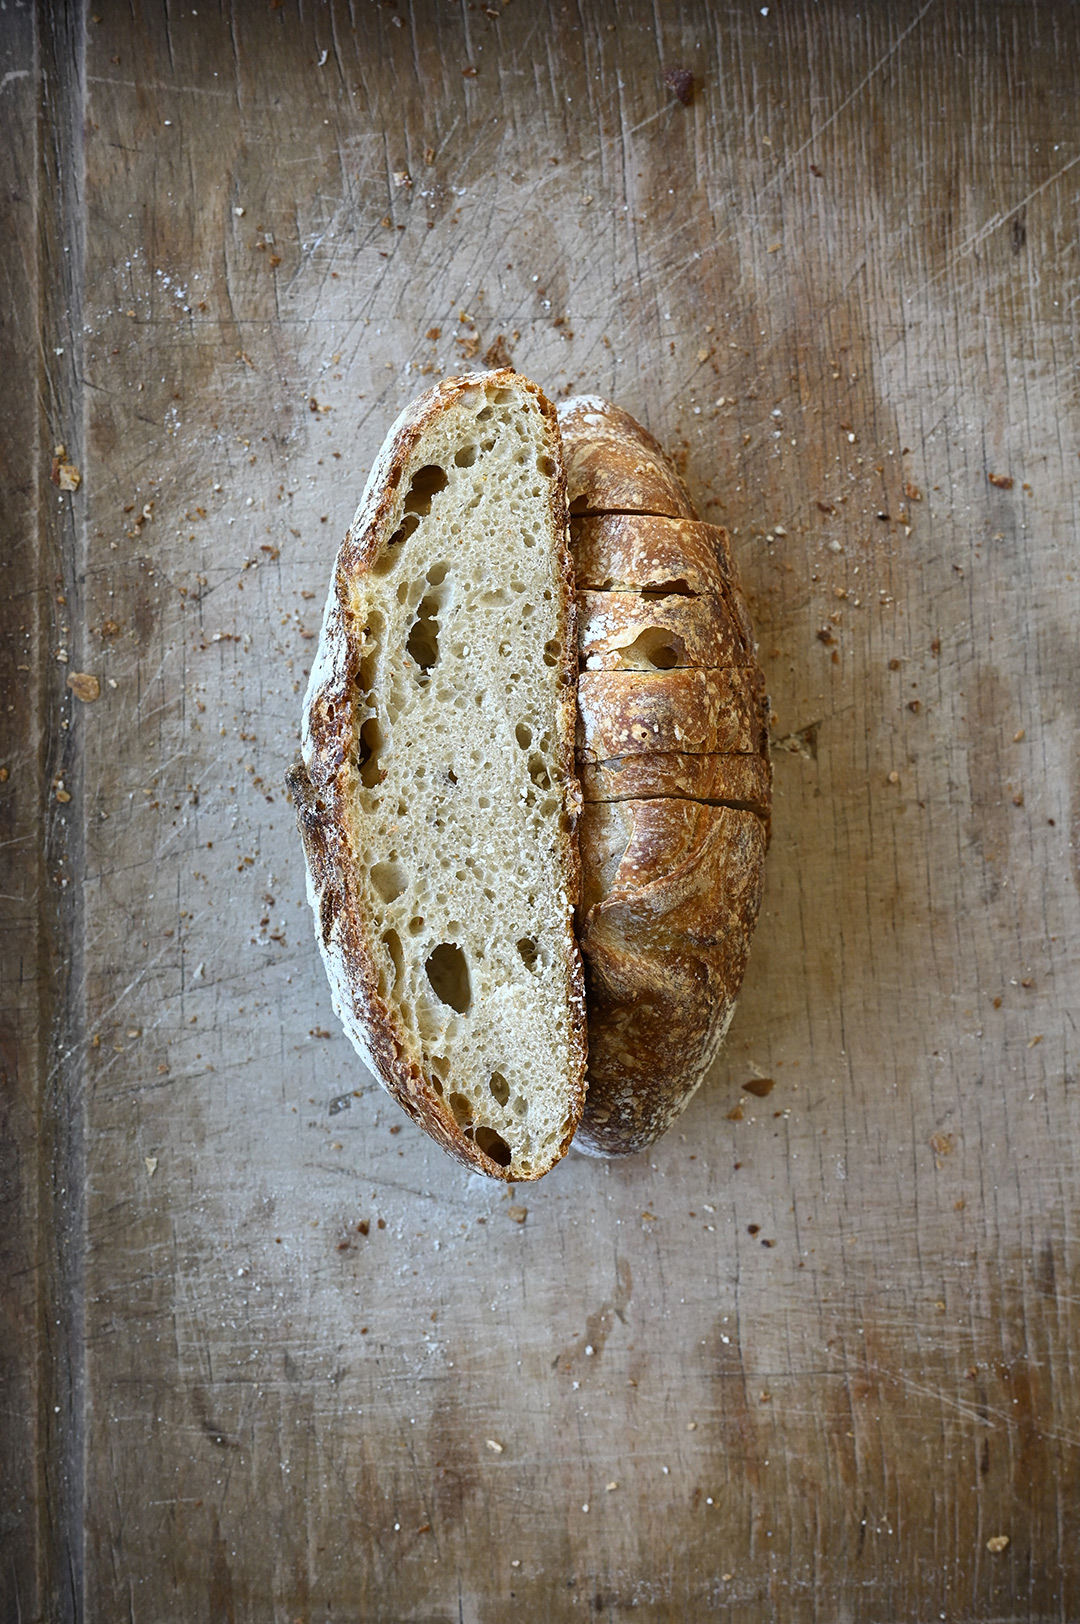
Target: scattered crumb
497 353
497 1448
1001 482
759 1087
150 1163
680 81
84 686
518 1215
998 1542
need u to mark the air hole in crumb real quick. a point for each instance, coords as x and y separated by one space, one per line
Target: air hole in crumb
436 1083
499 1087
423 643
523 735
493 1145
483 415
527 949
426 483
437 574
367 754
416 925
389 880
441 1065
392 943
551 652
521 1107
462 1109
447 970
655 646
545 465
538 772
386 561
668 589
466 456
503 397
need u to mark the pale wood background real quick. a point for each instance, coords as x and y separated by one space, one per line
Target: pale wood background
808 1357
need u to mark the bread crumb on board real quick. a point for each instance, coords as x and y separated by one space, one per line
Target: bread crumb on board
85 686
997 1542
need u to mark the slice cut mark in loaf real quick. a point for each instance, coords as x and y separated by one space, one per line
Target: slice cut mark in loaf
440 799
732 780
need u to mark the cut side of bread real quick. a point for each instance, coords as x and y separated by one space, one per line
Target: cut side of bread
437 798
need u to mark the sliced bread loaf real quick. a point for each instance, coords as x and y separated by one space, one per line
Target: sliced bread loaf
672 751
437 798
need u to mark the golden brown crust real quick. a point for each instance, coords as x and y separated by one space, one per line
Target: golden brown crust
628 713
632 631
614 465
672 895
324 788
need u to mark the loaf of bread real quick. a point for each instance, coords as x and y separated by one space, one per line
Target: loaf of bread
436 797
672 752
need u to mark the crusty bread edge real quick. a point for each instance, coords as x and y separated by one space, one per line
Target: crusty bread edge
319 783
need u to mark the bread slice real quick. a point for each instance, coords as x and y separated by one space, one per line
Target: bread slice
437 798
613 464
671 895
627 713
635 631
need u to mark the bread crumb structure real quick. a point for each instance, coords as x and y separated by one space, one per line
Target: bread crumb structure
437 799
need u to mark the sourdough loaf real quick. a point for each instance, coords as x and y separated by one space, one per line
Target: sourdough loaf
436 796
672 752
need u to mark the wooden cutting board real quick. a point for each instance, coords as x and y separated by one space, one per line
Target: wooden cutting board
268 1354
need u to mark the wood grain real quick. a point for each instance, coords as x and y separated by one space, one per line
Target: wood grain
821 1339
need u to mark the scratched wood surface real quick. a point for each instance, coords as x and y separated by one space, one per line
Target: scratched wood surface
268 1355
